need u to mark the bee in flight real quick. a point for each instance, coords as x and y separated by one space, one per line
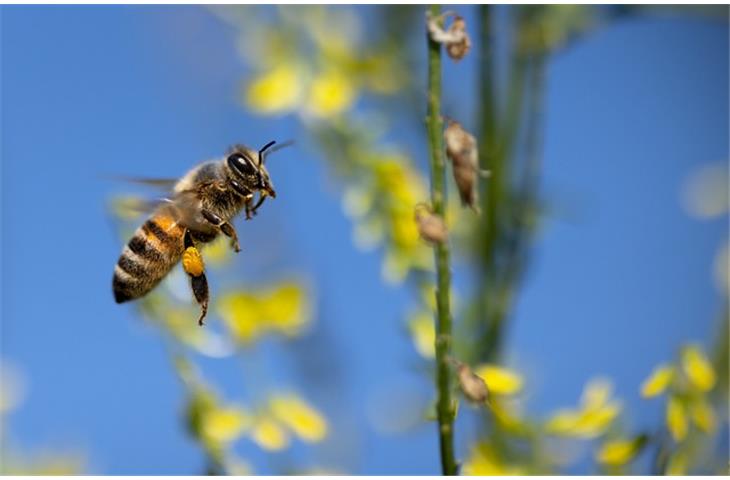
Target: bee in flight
201 206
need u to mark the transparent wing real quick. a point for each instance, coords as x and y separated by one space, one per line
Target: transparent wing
161 183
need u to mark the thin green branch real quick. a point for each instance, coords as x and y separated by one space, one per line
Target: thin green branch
441 253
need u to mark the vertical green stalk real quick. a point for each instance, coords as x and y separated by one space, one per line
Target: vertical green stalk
441 253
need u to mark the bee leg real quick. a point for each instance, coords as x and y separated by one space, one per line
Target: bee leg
262 197
193 265
225 227
249 211
200 290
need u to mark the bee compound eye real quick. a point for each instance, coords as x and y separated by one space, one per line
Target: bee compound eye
241 164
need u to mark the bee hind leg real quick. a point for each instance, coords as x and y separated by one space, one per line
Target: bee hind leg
200 290
193 265
225 227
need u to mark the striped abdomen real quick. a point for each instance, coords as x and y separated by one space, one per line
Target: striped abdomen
154 249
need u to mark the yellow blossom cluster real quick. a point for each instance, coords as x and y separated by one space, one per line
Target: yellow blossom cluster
686 385
382 205
271 425
249 314
310 63
593 416
483 459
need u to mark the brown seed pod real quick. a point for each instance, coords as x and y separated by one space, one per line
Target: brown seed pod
472 386
431 227
461 149
455 38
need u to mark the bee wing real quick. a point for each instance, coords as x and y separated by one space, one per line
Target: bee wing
132 206
161 183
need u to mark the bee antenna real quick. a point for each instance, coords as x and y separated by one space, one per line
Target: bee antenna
275 149
266 147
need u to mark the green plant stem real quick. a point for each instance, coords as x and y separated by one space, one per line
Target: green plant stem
441 253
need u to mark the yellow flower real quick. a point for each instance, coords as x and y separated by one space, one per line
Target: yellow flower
593 423
423 332
330 93
238 467
12 387
705 192
218 252
483 460
276 91
620 452
283 309
499 380
301 418
563 422
224 425
593 418
678 464
658 381
596 393
286 308
676 418
269 435
703 415
698 369
508 418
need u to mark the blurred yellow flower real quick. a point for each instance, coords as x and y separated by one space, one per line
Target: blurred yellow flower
596 393
423 333
224 425
301 418
676 419
177 321
282 309
499 380
218 252
237 466
287 308
46 464
658 381
702 415
278 90
594 417
330 93
12 387
483 460
619 452
698 369
508 418
268 434
705 193
678 464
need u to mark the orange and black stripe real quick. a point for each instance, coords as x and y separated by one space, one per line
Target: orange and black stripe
151 253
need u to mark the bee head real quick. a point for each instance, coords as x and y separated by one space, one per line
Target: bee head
248 166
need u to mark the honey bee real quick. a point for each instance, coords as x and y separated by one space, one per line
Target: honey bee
201 206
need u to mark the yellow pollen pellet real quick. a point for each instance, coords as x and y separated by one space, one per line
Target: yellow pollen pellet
193 262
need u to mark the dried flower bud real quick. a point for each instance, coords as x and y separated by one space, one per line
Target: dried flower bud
472 386
455 38
461 148
457 49
431 227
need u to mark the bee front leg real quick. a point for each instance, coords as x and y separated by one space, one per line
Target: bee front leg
193 265
225 227
262 197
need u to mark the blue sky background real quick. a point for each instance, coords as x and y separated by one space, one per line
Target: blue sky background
616 284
